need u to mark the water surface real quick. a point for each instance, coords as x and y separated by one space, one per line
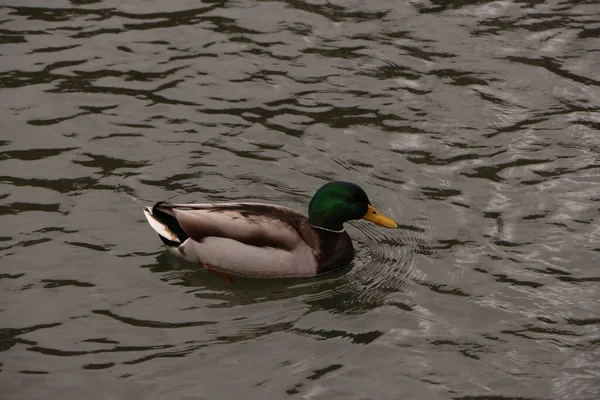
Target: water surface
475 124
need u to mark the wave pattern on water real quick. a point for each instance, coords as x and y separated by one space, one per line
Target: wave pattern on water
474 124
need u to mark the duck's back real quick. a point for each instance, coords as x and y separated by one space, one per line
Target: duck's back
251 239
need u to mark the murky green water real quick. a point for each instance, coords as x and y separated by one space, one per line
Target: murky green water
475 124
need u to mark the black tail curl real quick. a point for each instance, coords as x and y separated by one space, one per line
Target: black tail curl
170 221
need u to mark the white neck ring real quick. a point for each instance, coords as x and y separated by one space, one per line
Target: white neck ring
329 230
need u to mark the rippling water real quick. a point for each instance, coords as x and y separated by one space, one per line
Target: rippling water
475 124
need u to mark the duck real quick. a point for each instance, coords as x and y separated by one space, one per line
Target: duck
267 240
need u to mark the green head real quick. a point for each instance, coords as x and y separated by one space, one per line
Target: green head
338 202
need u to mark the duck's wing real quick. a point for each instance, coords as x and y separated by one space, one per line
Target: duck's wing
254 224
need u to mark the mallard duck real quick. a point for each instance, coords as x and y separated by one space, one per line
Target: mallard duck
265 240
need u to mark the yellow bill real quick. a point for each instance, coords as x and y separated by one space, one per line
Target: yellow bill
374 216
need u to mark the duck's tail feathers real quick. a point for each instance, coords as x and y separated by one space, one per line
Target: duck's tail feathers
165 224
